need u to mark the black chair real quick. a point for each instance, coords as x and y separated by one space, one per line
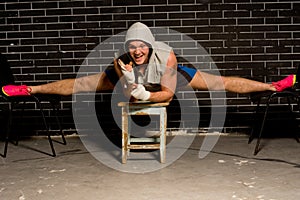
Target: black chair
5 110
10 104
257 97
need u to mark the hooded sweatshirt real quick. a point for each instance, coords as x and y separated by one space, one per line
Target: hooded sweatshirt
159 57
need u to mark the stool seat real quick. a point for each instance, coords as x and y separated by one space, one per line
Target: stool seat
143 104
143 108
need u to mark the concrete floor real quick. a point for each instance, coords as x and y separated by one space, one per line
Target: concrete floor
229 171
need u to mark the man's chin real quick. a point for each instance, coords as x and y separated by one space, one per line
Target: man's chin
139 62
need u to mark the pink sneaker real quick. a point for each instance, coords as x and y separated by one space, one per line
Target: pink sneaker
285 83
16 90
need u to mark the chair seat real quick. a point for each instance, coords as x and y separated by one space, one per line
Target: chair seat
255 96
269 95
16 100
7 78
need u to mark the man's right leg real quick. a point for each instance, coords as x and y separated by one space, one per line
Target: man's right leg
97 82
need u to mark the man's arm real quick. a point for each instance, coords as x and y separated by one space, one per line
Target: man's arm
127 87
168 82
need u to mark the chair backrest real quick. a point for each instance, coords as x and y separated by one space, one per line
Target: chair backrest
298 73
6 75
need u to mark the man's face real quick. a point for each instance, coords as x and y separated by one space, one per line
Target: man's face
139 52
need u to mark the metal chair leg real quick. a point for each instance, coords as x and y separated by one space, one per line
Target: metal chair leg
251 137
55 109
285 95
46 127
44 122
292 113
262 127
7 135
298 104
22 116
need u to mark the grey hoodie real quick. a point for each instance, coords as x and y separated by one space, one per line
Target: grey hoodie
159 57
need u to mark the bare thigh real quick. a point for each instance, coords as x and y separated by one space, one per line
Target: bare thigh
96 82
206 81
104 83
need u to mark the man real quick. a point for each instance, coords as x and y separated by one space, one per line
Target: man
150 73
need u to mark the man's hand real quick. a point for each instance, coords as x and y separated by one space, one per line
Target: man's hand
127 71
140 93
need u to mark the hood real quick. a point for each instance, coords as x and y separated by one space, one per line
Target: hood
158 57
139 31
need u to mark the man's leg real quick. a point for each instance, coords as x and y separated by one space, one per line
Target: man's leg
205 81
97 82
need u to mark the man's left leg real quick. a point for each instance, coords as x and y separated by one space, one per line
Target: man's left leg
205 81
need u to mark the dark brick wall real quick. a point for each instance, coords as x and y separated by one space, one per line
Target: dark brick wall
48 40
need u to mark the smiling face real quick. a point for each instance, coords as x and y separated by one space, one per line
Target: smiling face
139 51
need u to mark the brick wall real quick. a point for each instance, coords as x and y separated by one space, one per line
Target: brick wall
48 40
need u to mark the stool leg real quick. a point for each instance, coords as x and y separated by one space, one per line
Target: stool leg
124 135
129 123
163 122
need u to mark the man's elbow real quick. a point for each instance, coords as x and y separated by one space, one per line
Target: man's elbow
170 98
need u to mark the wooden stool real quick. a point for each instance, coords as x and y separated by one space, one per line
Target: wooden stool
143 108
